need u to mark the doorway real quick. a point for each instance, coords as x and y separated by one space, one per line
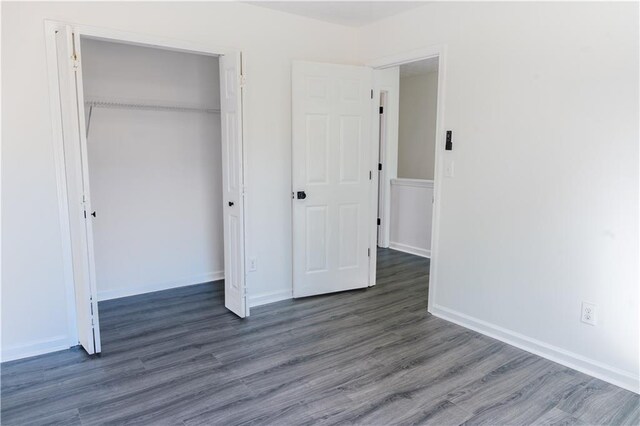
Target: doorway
339 162
150 167
411 189
410 92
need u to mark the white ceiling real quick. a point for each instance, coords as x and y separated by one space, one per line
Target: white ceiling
419 67
351 13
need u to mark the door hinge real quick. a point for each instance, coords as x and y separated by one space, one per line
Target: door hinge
378 221
379 166
85 214
75 62
368 252
243 80
370 174
381 110
371 93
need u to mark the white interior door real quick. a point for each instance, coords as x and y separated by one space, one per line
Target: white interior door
233 184
332 177
78 194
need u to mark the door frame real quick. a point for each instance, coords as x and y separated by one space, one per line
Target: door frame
382 235
99 33
427 52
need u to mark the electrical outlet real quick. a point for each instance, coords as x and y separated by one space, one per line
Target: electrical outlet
588 313
253 264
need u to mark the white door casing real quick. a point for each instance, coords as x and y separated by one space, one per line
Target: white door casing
332 165
78 190
381 175
233 183
387 81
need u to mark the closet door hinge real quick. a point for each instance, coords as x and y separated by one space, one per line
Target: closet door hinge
368 252
243 80
75 63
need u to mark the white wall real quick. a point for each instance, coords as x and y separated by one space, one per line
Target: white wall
155 176
34 300
542 213
411 216
417 126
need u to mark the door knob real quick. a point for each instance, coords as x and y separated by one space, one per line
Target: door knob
301 195
231 203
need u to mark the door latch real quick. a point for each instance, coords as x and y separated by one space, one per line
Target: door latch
301 195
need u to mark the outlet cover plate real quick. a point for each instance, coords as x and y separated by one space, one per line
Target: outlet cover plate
588 313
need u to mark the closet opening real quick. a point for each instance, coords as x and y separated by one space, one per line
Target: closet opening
151 182
155 177
155 169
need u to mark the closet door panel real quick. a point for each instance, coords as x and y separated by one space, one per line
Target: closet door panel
79 206
232 181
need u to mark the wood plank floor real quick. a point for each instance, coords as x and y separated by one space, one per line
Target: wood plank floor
373 357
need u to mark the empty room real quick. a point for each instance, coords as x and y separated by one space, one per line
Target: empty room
340 212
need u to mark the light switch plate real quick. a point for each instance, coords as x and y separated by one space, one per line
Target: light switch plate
448 170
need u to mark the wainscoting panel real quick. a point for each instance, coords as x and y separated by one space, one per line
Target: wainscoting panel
411 216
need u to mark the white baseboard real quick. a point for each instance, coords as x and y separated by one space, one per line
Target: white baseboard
410 249
40 347
149 288
265 298
608 373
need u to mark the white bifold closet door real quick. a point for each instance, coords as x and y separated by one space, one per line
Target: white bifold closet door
235 298
332 177
77 189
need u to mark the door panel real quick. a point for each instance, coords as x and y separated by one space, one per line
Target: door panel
78 190
232 181
331 156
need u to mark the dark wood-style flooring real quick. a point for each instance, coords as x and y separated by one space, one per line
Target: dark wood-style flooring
371 357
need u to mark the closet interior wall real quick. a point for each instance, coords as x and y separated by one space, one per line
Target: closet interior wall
154 167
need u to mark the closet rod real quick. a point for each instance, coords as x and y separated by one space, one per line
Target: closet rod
110 104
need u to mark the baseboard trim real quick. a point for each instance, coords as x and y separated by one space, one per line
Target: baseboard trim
150 288
40 347
410 249
613 375
266 298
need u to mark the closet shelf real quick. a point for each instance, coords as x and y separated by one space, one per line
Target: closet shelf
147 106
